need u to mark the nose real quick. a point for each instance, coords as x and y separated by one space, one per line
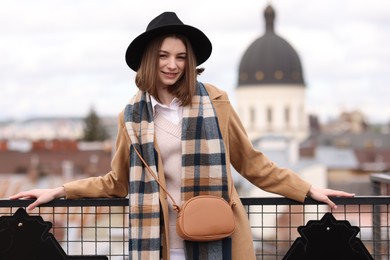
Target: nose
172 63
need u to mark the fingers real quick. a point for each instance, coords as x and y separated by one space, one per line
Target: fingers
330 203
323 195
33 205
16 196
343 194
32 194
335 193
21 195
325 199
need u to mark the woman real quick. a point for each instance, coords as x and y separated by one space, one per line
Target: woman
189 134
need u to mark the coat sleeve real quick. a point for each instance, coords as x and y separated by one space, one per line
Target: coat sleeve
248 161
257 168
115 182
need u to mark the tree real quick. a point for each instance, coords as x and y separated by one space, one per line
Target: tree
94 130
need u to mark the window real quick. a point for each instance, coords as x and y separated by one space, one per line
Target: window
252 116
287 116
269 116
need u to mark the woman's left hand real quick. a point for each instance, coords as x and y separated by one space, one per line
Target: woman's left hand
323 195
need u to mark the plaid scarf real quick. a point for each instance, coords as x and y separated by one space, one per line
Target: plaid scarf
203 172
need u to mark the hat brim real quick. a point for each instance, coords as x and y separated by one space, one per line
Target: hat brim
199 41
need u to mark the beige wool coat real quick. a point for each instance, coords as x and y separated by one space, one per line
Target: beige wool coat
250 163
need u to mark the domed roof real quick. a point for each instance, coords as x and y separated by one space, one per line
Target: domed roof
270 59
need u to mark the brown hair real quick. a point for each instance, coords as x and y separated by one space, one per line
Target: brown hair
147 73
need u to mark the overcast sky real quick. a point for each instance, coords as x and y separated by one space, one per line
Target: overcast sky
60 58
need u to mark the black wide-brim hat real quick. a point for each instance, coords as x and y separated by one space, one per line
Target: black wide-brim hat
164 24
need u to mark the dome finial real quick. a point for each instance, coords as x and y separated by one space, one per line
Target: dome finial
269 15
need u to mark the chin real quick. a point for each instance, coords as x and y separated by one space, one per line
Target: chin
170 82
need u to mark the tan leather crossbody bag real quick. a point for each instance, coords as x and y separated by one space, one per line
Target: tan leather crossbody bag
201 218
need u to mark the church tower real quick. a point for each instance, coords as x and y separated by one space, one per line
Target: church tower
271 90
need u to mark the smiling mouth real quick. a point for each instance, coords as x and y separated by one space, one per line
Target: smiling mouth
170 74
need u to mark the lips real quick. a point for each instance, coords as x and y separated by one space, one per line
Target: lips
170 74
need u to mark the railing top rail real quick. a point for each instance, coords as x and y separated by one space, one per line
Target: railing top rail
68 203
358 200
380 177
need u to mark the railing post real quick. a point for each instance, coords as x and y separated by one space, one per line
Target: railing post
376 220
376 229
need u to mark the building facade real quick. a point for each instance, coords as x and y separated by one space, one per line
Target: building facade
271 90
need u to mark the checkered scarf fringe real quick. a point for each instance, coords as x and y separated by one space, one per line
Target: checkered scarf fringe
203 172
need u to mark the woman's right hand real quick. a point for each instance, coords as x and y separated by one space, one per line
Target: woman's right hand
42 196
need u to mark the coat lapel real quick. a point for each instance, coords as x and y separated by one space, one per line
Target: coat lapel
222 107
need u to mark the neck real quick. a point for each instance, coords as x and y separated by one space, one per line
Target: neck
165 97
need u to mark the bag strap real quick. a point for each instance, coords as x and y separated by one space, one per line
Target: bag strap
175 206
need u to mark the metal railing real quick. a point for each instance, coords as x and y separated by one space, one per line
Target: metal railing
274 222
100 226
83 227
380 183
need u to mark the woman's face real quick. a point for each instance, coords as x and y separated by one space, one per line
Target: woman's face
172 59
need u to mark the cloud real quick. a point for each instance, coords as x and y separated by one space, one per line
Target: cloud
60 57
